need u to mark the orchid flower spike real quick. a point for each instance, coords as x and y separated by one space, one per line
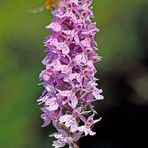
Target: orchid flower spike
69 75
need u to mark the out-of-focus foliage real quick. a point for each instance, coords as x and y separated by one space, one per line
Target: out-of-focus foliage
21 50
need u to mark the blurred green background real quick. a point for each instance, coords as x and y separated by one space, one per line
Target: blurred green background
122 43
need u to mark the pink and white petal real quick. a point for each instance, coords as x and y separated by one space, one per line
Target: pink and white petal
52 41
76 38
82 128
53 106
67 32
58 144
73 76
97 120
96 94
91 133
54 26
65 49
86 42
64 118
65 69
75 2
81 58
73 128
73 101
46 120
42 99
64 93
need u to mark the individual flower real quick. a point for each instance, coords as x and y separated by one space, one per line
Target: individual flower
88 125
70 122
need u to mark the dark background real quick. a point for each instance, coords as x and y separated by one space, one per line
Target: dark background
123 74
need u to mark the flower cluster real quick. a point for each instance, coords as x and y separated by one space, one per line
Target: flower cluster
69 77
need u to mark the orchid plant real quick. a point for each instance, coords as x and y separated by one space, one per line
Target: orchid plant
69 75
